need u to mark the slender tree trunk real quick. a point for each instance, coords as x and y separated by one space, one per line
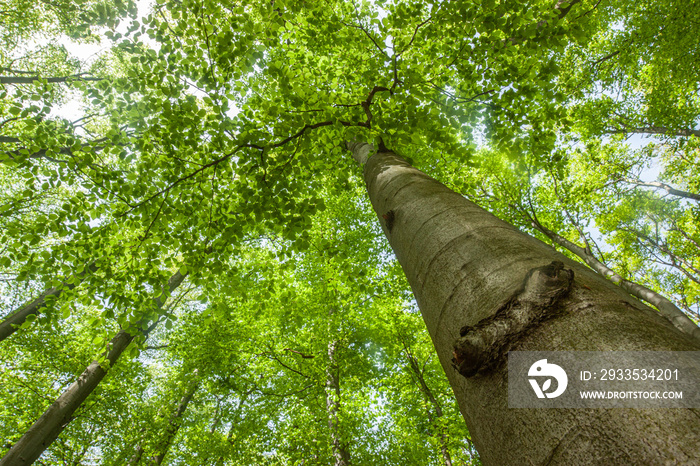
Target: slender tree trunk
341 455
436 412
236 419
41 153
663 304
666 187
136 457
462 264
50 425
174 423
17 317
56 79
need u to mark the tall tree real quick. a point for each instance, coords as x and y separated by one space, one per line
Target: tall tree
19 316
435 414
450 250
50 425
341 453
213 124
174 422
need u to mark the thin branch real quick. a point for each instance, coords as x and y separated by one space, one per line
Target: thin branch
668 188
57 79
272 355
305 356
570 217
413 37
605 58
589 11
368 35
663 304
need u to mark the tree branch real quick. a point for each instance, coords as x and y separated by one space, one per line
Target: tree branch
668 188
57 79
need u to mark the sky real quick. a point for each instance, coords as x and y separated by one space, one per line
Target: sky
89 52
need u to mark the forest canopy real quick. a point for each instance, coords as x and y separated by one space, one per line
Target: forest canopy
182 223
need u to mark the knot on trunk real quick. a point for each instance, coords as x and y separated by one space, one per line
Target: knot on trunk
481 345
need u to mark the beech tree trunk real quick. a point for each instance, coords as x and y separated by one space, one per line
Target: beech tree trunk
174 424
462 263
17 317
50 425
341 455
52 79
41 153
136 457
666 187
436 412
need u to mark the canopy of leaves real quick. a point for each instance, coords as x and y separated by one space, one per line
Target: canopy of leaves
209 138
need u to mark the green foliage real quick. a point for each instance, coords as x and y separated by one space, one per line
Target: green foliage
210 139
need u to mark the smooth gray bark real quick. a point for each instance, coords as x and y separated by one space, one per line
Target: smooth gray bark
174 424
50 425
462 263
655 130
663 304
17 317
666 187
53 79
341 455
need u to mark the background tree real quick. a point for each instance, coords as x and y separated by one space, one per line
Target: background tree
211 139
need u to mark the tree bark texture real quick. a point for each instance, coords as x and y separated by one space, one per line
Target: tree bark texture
484 288
50 425
17 317
174 424
341 455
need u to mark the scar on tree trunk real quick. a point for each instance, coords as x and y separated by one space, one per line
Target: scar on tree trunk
481 346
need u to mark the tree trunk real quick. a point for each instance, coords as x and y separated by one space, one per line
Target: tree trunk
234 422
136 457
461 262
341 456
41 153
17 317
50 425
666 187
663 304
56 79
436 412
174 424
